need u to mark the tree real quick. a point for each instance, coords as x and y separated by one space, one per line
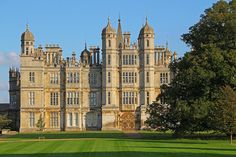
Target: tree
157 116
40 124
227 110
199 75
4 121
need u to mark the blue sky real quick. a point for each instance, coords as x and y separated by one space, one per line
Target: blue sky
71 23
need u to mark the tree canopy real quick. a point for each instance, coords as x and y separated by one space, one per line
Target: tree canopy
200 73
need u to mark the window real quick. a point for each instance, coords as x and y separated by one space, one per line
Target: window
109 98
109 60
31 77
109 77
123 74
129 98
72 98
76 77
32 119
147 77
93 99
163 78
54 78
31 98
76 98
129 77
109 43
12 99
147 98
132 77
76 119
69 77
135 58
93 78
54 98
123 98
70 122
147 59
54 119
27 50
147 43
130 60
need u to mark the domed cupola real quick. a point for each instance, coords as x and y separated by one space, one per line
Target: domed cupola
27 35
27 42
108 37
146 29
146 37
108 29
85 56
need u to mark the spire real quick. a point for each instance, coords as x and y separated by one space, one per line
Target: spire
27 27
146 21
108 20
85 46
119 39
167 45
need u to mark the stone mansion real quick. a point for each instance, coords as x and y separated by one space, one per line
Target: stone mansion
89 92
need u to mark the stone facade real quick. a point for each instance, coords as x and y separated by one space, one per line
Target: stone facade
89 93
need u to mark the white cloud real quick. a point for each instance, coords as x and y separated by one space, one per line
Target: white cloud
10 59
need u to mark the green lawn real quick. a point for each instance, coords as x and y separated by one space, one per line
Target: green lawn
112 144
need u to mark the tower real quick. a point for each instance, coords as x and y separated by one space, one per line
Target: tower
146 57
110 77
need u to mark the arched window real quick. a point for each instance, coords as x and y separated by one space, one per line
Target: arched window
109 43
109 97
109 60
147 59
147 43
147 97
109 77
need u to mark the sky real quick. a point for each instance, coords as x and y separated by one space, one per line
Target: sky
71 23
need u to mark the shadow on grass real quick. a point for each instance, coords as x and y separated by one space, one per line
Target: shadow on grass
120 154
185 148
66 135
148 137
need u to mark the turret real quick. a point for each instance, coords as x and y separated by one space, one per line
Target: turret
85 56
27 42
146 37
108 37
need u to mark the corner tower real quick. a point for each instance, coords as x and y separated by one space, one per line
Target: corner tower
146 57
110 78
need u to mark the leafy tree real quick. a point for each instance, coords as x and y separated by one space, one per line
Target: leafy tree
4 121
199 75
227 111
157 116
40 124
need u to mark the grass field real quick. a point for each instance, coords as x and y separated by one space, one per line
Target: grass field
112 144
